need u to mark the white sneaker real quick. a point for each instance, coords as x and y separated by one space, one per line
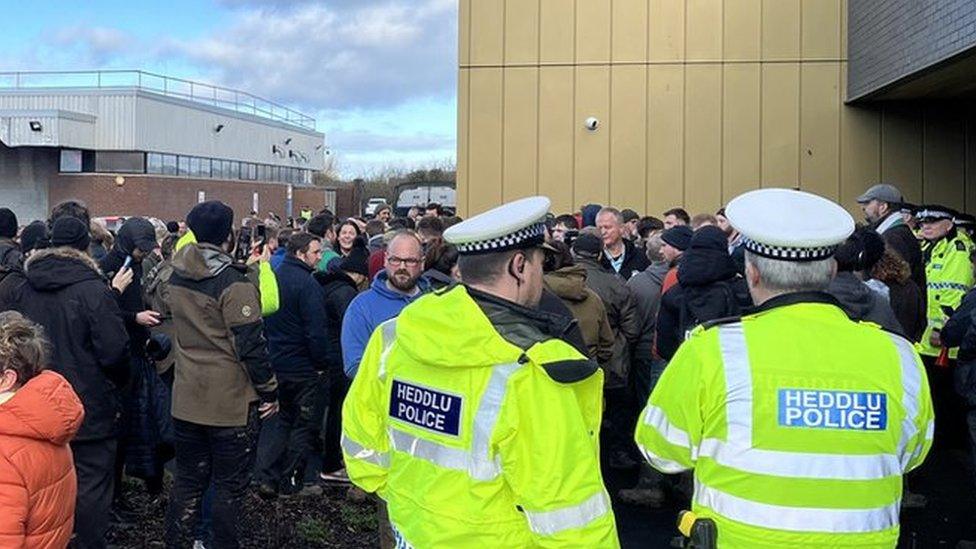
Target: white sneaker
197 544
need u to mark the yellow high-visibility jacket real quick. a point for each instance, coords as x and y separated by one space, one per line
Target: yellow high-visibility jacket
798 423
949 275
474 441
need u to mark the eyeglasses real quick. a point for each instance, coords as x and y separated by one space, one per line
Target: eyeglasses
408 261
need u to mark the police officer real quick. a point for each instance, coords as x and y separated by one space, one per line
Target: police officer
798 422
947 269
470 417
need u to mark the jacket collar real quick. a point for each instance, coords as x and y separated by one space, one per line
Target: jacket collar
795 298
292 260
551 325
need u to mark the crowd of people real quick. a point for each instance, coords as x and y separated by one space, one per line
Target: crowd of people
182 341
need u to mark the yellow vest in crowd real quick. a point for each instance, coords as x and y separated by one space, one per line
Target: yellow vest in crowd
798 423
468 438
949 275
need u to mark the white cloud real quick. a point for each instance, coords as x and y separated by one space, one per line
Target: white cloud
335 55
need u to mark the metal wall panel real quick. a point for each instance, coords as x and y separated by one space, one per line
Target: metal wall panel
628 135
592 157
821 30
556 123
665 142
487 32
703 26
592 31
740 129
521 31
520 152
666 30
485 140
901 151
944 157
629 40
703 138
781 29
780 124
820 128
860 149
557 31
743 30
464 150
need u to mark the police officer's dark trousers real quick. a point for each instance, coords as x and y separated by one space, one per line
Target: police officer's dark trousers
297 427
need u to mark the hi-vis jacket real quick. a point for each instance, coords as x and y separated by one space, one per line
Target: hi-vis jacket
798 423
473 441
949 275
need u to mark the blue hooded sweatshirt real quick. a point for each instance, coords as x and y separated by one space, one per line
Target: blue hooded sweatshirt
367 311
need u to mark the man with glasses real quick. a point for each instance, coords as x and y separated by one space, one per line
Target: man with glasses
298 348
392 290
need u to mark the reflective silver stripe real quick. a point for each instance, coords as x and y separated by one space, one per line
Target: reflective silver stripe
660 463
911 381
797 519
388 330
399 542
362 453
738 383
478 462
655 418
801 464
549 523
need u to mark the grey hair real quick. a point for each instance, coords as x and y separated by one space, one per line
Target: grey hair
614 212
653 247
792 276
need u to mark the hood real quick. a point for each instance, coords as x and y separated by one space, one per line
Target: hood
200 261
45 408
465 338
379 286
568 283
589 214
855 297
135 233
433 275
55 268
707 260
658 271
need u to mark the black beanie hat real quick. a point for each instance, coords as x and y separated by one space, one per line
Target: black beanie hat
709 237
211 222
33 237
678 237
860 252
172 227
72 232
588 244
357 261
8 223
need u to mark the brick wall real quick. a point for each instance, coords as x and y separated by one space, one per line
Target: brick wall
891 39
170 198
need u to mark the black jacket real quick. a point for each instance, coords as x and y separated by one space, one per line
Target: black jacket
862 303
635 261
131 301
960 331
901 239
297 338
63 291
709 288
339 290
10 256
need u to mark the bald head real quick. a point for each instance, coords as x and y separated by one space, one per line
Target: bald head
404 261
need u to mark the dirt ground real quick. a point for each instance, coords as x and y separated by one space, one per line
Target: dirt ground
326 519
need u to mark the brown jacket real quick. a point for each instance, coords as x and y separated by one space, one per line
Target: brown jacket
221 354
569 284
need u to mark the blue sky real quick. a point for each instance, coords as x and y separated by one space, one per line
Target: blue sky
378 75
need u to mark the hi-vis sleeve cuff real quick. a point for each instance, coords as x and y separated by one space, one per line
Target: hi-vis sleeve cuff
551 523
666 447
355 451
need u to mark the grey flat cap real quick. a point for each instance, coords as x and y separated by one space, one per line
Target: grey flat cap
882 192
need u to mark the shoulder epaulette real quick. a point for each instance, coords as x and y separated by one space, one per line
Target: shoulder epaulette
718 322
960 246
570 371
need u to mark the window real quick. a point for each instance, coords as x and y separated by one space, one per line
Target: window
183 165
120 162
205 170
169 164
218 169
70 161
154 163
235 170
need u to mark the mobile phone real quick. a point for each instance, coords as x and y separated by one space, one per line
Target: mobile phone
128 262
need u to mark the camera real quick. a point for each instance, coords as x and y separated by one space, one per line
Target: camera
591 124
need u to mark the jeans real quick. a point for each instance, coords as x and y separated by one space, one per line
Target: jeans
297 427
223 456
94 465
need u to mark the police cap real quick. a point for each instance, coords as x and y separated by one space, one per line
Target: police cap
789 225
516 225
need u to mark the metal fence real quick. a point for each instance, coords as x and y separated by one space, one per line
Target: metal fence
199 92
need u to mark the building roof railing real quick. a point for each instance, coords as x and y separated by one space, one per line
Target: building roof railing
197 92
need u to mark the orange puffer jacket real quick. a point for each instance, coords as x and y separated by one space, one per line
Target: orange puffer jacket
37 475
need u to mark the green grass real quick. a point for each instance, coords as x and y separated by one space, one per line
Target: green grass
358 517
313 530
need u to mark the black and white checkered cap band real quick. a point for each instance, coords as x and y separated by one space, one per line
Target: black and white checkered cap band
533 235
785 253
933 214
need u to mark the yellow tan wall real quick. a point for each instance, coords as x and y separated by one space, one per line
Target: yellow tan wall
699 100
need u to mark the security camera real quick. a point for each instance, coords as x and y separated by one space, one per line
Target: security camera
592 124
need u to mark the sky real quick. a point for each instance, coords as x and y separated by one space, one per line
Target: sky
379 76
